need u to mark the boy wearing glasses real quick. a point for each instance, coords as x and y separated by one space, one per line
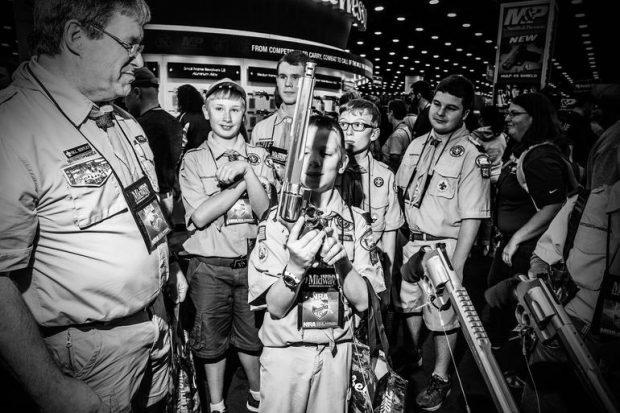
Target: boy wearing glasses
368 183
272 133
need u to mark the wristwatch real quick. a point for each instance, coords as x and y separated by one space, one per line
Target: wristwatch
290 280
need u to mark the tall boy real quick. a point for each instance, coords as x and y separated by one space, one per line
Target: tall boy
444 178
359 119
222 185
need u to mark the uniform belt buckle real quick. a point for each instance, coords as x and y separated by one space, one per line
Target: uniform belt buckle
239 263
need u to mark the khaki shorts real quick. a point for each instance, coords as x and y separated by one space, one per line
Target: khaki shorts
128 366
414 299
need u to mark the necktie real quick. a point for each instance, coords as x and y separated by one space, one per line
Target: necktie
231 155
103 117
352 188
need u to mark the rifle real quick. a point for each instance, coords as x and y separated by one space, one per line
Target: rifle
442 277
539 310
294 197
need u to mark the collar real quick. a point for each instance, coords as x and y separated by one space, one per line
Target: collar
72 102
460 132
218 147
337 207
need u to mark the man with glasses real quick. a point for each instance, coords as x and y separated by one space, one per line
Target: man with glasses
83 252
272 132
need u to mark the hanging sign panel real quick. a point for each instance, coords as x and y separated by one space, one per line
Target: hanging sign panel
199 71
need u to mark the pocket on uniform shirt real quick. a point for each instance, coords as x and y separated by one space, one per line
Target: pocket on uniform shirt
377 214
210 185
95 193
445 179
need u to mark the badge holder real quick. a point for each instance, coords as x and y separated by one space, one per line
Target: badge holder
320 305
147 212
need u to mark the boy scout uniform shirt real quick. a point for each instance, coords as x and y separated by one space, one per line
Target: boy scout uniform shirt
380 198
272 132
197 177
64 217
270 256
458 190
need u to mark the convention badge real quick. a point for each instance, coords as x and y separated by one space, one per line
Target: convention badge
367 241
251 243
141 138
79 152
483 162
320 304
457 150
91 173
146 210
278 155
253 159
378 181
240 213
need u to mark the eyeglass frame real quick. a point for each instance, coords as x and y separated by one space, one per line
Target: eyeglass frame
128 47
350 124
513 113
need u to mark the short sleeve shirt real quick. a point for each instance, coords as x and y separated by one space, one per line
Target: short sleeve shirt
63 217
457 189
227 236
270 256
398 141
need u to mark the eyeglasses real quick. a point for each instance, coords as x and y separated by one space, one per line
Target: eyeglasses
357 126
132 49
513 113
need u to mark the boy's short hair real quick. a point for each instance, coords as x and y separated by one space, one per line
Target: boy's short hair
226 89
294 58
363 105
459 86
398 109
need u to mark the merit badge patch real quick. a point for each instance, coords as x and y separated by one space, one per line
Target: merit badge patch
442 185
457 150
253 159
269 162
368 241
262 252
91 173
343 224
378 182
141 138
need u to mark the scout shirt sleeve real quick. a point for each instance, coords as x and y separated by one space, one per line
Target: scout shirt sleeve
474 192
365 246
18 203
545 175
267 260
196 184
394 218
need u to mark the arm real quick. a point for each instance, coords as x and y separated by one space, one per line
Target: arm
389 247
467 235
532 228
24 354
215 206
259 200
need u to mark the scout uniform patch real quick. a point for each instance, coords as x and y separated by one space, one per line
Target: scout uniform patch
253 159
378 182
141 138
457 150
483 162
92 173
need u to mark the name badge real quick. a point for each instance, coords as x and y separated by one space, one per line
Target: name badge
240 212
147 212
320 304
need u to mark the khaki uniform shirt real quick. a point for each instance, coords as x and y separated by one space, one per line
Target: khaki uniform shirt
271 133
270 256
223 237
63 216
457 189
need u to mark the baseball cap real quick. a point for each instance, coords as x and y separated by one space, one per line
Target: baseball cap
144 78
225 83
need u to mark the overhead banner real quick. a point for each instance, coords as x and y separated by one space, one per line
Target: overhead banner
200 43
524 45
267 75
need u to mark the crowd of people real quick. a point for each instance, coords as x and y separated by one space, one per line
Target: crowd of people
88 274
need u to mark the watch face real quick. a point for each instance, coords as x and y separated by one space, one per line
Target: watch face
289 280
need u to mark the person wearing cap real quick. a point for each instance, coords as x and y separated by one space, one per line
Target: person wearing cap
83 251
163 132
272 133
224 188
310 281
445 187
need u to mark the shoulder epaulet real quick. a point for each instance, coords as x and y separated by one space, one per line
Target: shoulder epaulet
477 144
7 94
122 112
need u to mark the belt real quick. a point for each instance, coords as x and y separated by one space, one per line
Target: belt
421 236
234 263
138 317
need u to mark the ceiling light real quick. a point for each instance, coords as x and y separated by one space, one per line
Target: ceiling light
362 55
434 37
388 70
410 46
398 71
377 48
468 54
395 40
433 1
488 41
448 43
477 34
419 29
354 24
427 64
585 34
583 26
580 15
416 62
377 33
377 59
347 50
421 70
389 63
587 42
459 49
392 53
446 60
405 57
401 65
435 56
424 51
400 18
360 42
451 14
455 64
466 25
379 8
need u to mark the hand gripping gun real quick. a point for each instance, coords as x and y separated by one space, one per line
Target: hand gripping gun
294 197
539 310
440 278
